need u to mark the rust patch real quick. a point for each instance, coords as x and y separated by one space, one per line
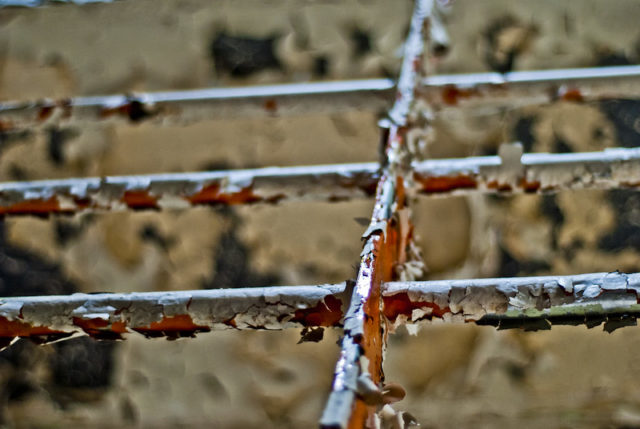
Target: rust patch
133 109
16 328
401 304
101 329
432 185
570 94
529 187
140 200
271 106
500 187
451 94
211 195
36 207
173 327
326 313
6 126
45 111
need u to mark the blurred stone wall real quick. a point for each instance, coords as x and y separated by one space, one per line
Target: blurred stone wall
456 376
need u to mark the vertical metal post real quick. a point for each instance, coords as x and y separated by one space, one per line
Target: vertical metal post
359 375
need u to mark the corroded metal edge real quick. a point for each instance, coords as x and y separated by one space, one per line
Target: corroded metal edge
385 243
170 314
528 173
529 303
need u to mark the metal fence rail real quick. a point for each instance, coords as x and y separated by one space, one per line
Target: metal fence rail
442 92
385 293
169 314
511 172
523 302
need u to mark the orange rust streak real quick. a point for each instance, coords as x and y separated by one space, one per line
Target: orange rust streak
502 187
140 200
572 94
211 195
35 206
401 304
97 325
529 186
181 322
387 252
325 313
445 184
16 328
451 94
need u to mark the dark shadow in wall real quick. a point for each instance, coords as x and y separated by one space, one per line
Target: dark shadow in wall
81 363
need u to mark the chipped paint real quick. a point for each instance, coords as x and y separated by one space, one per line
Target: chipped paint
171 314
511 172
441 91
183 190
529 173
189 106
526 88
530 303
384 255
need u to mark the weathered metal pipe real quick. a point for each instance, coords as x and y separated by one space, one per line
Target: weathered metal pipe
529 303
373 95
513 172
188 106
182 190
530 173
169 314
385 248
523 88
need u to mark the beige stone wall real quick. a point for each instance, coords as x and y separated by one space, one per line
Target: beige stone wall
455 376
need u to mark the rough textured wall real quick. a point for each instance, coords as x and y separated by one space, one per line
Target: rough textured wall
455 376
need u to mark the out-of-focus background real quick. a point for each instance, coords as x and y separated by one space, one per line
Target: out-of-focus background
455 376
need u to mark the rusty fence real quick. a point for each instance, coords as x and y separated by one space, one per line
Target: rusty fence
386 292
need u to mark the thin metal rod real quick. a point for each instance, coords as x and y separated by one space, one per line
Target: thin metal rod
373 95
608 169
530 303
182 190
180 107
512 172
522 88
169 314
386 240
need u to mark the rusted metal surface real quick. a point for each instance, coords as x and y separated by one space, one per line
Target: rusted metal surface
169 314
522 88
188 106
512 172
530 303
359 375
523 302
182 190
515 173
443 92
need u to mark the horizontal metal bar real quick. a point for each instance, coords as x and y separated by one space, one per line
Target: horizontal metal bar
522 302
385 249
530 303
508 173
171 107
533 76
523 88
169 314
371 95
512 172
182 190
